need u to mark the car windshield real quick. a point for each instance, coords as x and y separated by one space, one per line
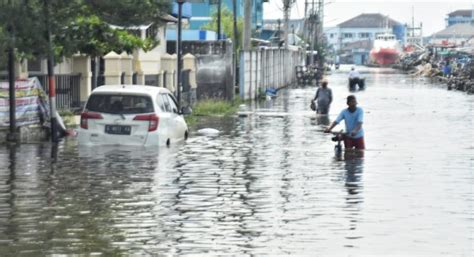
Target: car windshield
119 104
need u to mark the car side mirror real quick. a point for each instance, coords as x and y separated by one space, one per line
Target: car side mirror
186 110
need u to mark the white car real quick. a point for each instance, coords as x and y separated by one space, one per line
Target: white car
131 115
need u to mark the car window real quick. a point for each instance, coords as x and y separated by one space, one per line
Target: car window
119 104
174 106
166 103
160 102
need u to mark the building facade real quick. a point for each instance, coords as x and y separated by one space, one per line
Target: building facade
362 28
202 12
352 39
461 34
459 16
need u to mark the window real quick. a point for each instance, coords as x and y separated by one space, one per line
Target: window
173 103
119 104
347 35
166 103
161 103
152 31
331 35
364 35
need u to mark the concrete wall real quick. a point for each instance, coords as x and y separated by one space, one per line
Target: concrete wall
214 69
267 68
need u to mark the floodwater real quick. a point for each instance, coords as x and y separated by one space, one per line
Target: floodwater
268 184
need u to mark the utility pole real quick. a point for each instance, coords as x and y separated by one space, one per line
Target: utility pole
247 25
51 80
279 32
179 51
311 33
319 32
219 3
286 14
235 39
11 137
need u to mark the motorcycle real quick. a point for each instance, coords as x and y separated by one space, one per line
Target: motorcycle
338 137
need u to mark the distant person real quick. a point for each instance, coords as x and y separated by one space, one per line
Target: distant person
337 62
447 69
355 79
353 118
353 74
323 98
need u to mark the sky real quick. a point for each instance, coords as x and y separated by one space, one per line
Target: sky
431 14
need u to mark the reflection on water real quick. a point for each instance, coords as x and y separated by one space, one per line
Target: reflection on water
266 185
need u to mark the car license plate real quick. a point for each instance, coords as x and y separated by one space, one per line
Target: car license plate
118 129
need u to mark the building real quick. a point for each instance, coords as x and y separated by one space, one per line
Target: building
460 34
362 27
360 31
202 13
459 16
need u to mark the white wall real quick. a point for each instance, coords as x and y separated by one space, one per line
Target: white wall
150 62
267 68
338 40
450 41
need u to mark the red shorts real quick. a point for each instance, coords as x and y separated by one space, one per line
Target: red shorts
357 143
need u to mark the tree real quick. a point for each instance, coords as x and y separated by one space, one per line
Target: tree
77 25
58 28
227 25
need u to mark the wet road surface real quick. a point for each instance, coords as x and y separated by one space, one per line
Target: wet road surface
267 184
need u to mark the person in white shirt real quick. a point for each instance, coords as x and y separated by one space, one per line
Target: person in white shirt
354 74
355 79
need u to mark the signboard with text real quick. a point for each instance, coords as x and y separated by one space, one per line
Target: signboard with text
31 103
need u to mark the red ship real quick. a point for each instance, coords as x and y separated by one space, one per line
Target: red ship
386 50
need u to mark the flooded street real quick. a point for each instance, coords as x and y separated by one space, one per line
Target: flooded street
268 184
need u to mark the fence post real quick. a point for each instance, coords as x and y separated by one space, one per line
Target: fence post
113 68
82 65
242 75
127 68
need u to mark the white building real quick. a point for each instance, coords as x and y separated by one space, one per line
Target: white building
361 28
460 34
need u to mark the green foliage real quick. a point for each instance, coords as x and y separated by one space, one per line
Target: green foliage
227 24
68 118
76 26
130 12
212 107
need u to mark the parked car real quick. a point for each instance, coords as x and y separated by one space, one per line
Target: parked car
131 115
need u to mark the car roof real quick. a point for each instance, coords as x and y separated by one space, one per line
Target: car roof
134 89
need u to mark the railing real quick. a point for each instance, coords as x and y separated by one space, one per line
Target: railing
185 76
153 79
68 91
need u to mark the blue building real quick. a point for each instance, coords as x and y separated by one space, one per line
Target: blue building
202 12
459 16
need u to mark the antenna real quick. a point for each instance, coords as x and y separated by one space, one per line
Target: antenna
413 20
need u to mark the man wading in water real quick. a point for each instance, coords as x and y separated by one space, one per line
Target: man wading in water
323 98
353 117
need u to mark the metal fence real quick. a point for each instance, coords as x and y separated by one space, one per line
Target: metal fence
185 76
155 79
68 91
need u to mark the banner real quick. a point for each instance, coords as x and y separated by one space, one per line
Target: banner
31 103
